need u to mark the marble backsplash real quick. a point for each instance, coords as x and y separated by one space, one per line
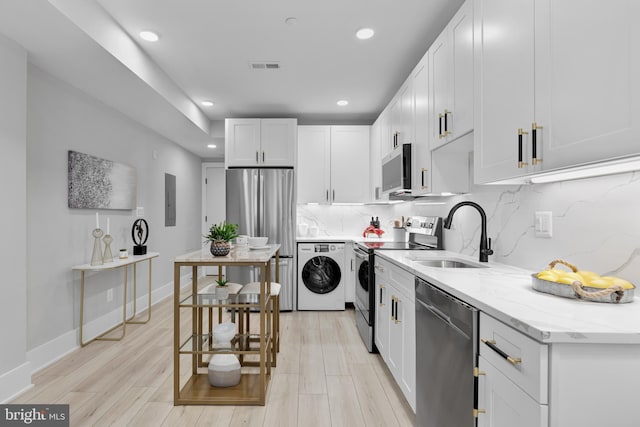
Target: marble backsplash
596 222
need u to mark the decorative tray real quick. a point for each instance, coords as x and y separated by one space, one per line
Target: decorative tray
572 285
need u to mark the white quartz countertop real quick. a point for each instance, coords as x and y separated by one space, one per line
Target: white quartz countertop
505 293
344 238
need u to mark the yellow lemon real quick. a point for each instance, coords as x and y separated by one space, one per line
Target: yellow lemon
547 275
618 281
599 282
588 275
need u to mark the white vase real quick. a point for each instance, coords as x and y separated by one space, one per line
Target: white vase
222 292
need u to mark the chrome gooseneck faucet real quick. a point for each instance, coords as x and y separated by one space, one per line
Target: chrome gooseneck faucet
485 244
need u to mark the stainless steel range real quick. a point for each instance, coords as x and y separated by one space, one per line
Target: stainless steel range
425 233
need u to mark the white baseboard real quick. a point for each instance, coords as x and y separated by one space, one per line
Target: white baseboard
52 351
15 382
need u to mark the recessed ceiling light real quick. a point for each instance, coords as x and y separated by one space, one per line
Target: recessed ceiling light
207 103
342 102
211 146
364 33
149 36
291 21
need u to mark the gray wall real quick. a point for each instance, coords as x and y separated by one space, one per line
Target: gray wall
61 118
13 227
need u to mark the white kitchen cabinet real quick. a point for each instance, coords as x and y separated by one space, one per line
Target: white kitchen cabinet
383 314
421 159
504 403
386 139
395 287
333 164
314 164
260 142
350 274
401 118
539 70
587 91
451 77
375 161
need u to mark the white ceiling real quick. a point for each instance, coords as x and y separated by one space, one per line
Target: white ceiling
205 49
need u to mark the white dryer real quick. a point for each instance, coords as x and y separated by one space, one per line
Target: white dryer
321 276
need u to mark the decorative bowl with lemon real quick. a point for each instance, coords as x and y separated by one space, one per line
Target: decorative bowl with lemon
582 284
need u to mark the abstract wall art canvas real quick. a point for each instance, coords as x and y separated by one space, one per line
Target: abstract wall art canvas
96 183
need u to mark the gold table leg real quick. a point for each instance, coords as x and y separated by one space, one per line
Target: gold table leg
135 297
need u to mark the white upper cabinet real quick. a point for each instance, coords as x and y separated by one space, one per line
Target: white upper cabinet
375 162
421 156
400 119
587 80
314 167
333 164
260 142
451 77
553 91
350 164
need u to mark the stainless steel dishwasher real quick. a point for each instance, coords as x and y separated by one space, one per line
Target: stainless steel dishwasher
447 348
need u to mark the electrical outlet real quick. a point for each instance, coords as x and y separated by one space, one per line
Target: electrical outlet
543 224
139 212
109 295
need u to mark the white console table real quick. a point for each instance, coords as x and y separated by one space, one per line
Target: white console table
117 263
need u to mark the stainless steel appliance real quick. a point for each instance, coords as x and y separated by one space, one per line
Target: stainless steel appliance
396 170
321 276
447 353
424 233
261 202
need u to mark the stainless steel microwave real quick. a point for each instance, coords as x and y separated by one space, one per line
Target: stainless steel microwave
396 170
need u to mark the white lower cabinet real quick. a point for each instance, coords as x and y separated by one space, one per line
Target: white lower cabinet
504 403
395 325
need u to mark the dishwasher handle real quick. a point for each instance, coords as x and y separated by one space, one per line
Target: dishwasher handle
446 319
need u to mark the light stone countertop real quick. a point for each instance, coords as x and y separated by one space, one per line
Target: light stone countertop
506 293
343 238
238 254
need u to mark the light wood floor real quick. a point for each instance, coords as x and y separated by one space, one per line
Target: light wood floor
324 377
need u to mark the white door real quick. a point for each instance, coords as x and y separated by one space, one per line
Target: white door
504 403
504 85
461 44
242 142
278 142
421 156
587 88
314 181
440 74
349 164
214 202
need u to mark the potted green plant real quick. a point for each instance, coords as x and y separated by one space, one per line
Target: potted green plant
220 235
222 290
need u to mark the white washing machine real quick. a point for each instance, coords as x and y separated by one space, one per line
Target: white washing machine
321 276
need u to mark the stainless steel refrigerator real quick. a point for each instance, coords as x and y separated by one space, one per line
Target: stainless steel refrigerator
261 202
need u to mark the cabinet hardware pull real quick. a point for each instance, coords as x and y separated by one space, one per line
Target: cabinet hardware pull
476 412
257 154
393 310
422 171
334 195
263 157
477 372
534 144
396 320
327 195
521 163
492 345
380 303
440 126
351 264
446 123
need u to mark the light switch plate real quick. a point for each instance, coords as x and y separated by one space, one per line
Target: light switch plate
543 224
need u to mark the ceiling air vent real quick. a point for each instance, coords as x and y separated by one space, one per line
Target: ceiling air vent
259 66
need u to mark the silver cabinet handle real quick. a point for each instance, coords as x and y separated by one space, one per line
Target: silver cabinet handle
263 157
257 160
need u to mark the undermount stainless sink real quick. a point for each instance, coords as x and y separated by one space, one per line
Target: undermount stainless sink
448 263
